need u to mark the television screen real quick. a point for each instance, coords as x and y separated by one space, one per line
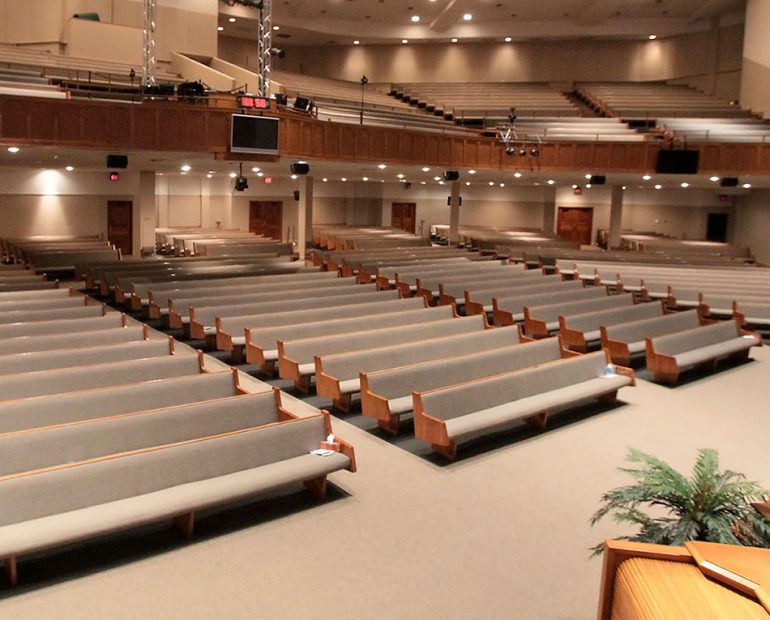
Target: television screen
677 162
254 134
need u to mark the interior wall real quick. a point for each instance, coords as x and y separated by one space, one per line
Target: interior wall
755 83
753 224
182 25
685 56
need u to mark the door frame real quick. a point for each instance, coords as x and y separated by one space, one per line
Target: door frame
561 209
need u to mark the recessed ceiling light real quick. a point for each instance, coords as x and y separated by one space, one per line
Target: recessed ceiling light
508 39
233 175
658 186
356 42
588 176
551 181
425 169
747 186
467 182
623 188
364 178
491 184
646 177
276 28
454 39
13 149
220 28
467 17
231 20
471 171
400 175
685 184
255 169
404 40
517 175
441 182
714 179
415 18
502 184
588 186
325 180
423 182
260 174
209 175
344 179
294 177
382 166
186 168
652 37
69 168
436 178
574 186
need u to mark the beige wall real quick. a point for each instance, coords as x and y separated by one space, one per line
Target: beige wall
184 26
566 61
753 224
755 83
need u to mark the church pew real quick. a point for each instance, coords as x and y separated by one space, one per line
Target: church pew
478 298
386 394
296 358
540 320
579 331
509 309
445 417
173 481
98 337
52 314
63 326
338 375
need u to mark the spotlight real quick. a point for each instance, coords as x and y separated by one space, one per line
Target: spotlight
274 51
512 116
364 81
299 168
509 150
535 152
522 152
240 181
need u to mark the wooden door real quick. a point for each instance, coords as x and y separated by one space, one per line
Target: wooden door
120 228
574 224
404 216
266 218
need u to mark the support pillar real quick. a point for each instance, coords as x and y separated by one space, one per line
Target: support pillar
145 213
616 217
454 213
549 210
305 216
150 67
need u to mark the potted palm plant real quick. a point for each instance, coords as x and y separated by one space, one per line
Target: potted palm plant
709 505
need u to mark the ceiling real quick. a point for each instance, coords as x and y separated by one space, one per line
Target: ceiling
314 22
170 163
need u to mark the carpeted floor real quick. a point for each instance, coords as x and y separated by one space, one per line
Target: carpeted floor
501 533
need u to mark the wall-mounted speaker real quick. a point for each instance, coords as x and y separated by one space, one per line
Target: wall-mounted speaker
677 161
451 175
117 161
729 182
298 168
296 194
598 179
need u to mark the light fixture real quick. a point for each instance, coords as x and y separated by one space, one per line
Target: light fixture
747 186
517 175
658 186
467 17
233 175
423 182
260 174
13 149
652 37
502 184
276 28
436 178
534 151
220 28
415 18
69 168
646 177
574 186
400 175
551 181
588 176
508 39
344 179
685 184
425 169
510 150
294 177
382 166
441 182
467 182
209 175
404 40
231 20
356 42
714 179
471 172
255 169
491 184
364 178
588 186
186 168
454 39
325 180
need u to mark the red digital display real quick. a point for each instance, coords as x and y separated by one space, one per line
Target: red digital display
114 176
268 179
253 103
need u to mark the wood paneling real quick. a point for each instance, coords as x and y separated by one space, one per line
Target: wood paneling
174 126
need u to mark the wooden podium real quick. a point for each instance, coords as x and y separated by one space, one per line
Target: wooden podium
701 581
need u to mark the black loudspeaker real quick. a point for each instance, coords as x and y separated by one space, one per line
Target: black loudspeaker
729 182
451 175
302 103
677 162
296 194
281 99
598 179
117 161
299 168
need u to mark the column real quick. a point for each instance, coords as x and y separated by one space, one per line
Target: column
616 217
549 210
454 213
144 213
305 216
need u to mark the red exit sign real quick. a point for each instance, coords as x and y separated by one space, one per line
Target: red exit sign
247 102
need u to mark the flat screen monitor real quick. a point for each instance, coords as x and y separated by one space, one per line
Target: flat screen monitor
677 161
254 134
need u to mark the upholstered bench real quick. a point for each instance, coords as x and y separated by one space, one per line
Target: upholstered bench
478 296
541 320
386 394
446 416
74 502
580 330
509 309
669 355
752 313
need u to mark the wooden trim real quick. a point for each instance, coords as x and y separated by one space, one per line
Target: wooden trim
123 319
572 338
11 570
373 405
430 429
185 523
146 331
171 345
326 385
664 367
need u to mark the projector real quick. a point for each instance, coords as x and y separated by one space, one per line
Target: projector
241 183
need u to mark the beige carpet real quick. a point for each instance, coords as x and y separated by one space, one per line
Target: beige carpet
503 533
